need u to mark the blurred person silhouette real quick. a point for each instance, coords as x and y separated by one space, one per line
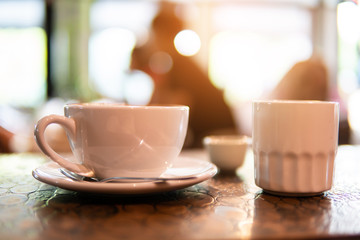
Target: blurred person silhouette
309 80
179 80
306 80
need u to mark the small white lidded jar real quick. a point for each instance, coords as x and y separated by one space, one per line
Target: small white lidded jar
227 152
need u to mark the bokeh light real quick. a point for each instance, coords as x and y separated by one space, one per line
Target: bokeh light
348 21
187 42
138 88
354 111
23 63
109 57
160 62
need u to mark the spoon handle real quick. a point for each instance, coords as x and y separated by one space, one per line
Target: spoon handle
77 177
144 179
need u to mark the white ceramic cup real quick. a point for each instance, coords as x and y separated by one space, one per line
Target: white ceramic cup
294 145
226 151
111 140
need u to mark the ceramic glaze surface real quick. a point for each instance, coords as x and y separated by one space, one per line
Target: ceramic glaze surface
295 144
200 170
226 151
120 140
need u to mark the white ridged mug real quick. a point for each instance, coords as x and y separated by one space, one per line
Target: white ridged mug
110 140
294 145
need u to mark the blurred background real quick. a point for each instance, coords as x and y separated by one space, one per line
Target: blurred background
53 52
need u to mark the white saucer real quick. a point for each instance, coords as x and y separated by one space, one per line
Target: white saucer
202 170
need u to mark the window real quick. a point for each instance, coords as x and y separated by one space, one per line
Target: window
22 53
253 46
349 63
115 28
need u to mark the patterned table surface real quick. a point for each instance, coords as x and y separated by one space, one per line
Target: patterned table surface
224 207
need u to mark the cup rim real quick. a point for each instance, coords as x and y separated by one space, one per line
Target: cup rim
225 140
102 105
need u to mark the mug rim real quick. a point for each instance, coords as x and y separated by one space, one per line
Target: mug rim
277 101
102 105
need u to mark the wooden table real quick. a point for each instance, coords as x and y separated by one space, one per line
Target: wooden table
225 207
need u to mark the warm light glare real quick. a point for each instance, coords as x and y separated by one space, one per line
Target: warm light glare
109 57
138 88
187 42
23 66
354 111
347 81
349 21
233 66
246 65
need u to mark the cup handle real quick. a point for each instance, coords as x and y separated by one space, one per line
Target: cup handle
69 125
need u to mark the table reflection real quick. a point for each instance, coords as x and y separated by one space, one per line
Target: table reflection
226 206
